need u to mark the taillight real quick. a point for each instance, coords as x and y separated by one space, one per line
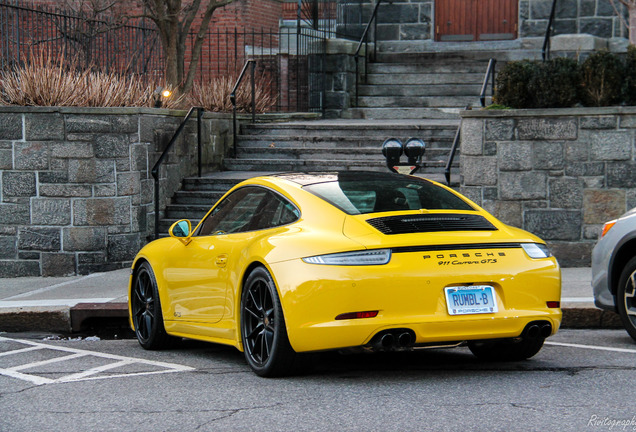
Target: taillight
357 315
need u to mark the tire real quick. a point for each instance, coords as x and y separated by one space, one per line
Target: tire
626 297
265 343
506 350
146 310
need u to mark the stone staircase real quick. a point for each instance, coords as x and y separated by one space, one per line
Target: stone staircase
406 95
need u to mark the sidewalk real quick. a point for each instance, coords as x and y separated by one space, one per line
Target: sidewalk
67 304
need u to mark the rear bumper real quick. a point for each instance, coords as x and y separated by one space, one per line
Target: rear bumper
408 293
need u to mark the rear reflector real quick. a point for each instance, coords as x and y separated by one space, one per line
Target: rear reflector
357 315
553 304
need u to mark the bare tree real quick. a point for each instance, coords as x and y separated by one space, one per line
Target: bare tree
174 19
631 25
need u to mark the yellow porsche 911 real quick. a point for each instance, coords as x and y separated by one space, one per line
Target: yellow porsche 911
294 263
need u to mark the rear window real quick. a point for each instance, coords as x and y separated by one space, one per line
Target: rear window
361 193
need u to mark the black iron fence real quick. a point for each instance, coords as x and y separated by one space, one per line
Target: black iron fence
288 60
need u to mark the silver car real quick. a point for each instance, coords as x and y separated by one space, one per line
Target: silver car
614 269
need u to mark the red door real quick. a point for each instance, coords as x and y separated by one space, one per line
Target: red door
475 20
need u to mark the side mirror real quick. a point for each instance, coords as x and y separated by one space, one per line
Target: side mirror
181 230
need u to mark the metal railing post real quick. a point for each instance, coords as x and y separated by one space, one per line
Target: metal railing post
253 93
545 51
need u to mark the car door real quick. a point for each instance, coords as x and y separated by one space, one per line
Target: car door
208 262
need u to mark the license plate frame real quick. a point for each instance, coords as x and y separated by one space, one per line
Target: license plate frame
471 300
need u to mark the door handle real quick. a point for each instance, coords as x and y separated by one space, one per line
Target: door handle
221 260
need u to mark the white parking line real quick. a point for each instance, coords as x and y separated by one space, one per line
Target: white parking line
89 374
593 347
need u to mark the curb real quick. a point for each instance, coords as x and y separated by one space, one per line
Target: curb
83 316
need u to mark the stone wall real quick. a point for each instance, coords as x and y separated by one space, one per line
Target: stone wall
594 17
412 20
559 174
340 76
76 193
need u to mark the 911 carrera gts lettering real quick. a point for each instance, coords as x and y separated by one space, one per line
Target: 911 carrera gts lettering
456 262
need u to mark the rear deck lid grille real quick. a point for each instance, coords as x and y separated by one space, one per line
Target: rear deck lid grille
431 223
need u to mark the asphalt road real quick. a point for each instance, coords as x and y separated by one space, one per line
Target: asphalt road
581 381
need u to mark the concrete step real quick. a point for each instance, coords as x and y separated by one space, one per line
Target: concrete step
429 67
196 196
418 52
381 113
435 138
353 154
414 102
299 165
187 211
341 129
417 90
412 78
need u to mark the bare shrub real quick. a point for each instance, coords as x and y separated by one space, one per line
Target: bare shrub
214 94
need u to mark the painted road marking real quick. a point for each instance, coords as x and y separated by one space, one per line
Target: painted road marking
593 347
20 371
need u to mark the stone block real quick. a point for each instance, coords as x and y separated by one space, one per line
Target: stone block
479 171
490 193
93 262
599 27
500 129
11 269
554 224
101 211
631 198
594 182
621 174
602 205
65 190
397 13
548 156
53 177
112 146
588 8
40 239
101 123
139 154
84 239
32 155
415 31
598 122
105 190
44 126
91 171
10 126
29 255
470 192
18 184
490 148
123 247
472 137
58 264
566 193
584 169
74 150
592 232
565 26
627 122
572 254
514 156
523 185
611 145
546 129
15 214
8 247
577 150
509 212
6 159
50 211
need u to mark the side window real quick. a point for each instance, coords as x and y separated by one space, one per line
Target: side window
248 209
234 213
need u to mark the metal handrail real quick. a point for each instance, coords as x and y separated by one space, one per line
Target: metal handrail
490 72
233 99
451 156
155 168
363 40
545 51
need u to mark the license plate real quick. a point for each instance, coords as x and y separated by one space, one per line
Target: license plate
467 300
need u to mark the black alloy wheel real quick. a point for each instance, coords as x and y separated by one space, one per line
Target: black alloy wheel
626 297
146 310
265 343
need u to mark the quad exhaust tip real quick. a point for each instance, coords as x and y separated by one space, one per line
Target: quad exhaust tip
393 339
538 330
